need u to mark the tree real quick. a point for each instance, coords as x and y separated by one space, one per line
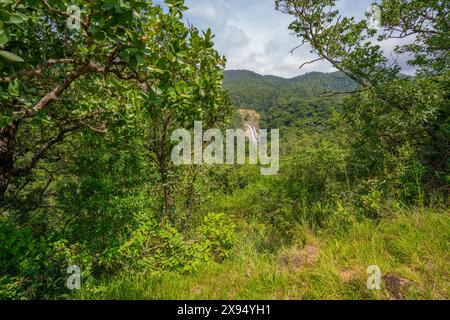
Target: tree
189 90
57 80
43 60
391 112
427 22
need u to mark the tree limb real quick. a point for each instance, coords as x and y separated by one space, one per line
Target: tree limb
52 95
44 149
38 70
310 62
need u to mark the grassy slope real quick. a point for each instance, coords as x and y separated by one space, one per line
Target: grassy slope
411 245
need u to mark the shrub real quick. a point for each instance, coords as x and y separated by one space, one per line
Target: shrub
217 234
35 268
156 247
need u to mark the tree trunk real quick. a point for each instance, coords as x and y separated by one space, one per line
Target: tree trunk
7 135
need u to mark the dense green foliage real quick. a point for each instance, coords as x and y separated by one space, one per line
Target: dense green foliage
404 239
86 177
283 102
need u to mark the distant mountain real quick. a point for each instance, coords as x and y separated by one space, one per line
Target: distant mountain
254 91
287 102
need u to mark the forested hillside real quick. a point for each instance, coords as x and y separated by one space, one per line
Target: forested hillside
300 101
264 92
98 202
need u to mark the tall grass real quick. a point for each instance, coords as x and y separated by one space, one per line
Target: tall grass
412 245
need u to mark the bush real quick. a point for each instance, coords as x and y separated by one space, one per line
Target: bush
35 268
218 235
156 247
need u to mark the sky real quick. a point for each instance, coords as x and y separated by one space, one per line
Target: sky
254 36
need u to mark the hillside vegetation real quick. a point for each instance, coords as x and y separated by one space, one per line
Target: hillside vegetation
251 90
299 101
87 182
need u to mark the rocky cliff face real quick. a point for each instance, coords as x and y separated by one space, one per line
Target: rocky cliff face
250 121
250 117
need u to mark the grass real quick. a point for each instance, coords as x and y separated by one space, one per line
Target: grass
411 248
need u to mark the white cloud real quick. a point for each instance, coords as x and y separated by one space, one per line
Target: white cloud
252 35
203 10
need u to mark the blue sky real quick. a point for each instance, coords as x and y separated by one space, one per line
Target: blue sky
253 36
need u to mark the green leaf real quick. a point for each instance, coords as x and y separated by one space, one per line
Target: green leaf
4 37
13 88
140 59
124 5
108 6
180 86
4 15
156 70
10 56
16 19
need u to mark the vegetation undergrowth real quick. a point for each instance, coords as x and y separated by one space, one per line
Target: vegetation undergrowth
412 245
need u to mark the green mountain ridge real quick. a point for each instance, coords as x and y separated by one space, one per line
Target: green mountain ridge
287 101
240 73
